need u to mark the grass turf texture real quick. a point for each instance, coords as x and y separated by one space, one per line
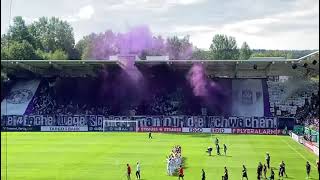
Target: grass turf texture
86 156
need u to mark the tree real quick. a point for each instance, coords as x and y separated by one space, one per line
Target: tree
20 51
199 54
179 48
56 55
59 55
84 46
19 32
224 47
245 52
53 34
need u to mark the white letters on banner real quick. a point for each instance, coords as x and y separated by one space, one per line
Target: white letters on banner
64 128
221 130
196 122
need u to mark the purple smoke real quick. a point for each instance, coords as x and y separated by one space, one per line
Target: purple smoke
198 80
208 90
139 41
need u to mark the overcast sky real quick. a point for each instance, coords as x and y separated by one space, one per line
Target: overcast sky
265 24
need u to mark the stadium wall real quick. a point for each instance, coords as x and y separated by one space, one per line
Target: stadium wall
311 146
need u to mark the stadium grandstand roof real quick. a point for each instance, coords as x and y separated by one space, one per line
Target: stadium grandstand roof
252 68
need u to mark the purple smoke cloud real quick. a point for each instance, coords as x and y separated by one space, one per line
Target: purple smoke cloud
198 80
139 41
214 96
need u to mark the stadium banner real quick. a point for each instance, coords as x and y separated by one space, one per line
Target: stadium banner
196 130
64 128
247 97
221 130
257 131
18 129
159 129
16 103
44 120
95 122
243 122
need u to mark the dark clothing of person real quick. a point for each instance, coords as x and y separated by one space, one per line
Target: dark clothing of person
244 173
203 176
268 161
308 167
265 171
259 171
138 174
209 151
272 175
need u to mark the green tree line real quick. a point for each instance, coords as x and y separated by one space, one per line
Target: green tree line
52 38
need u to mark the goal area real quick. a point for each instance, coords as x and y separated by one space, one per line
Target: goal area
119 126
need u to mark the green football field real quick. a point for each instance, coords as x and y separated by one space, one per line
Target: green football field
91 156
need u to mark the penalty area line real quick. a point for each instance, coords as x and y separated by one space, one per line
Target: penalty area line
299 153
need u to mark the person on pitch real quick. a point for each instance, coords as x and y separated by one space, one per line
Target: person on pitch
226 175
209 150
128 172
181 173
268 160
203 175
280 171
284 168
259 171
225 149
138 170
272 174
217 141
150 135
265 171
218 149
308 168
244 172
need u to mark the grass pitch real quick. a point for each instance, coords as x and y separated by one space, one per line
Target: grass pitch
95 156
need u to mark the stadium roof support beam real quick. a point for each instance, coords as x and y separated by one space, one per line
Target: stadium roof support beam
236 69
308 55
268 67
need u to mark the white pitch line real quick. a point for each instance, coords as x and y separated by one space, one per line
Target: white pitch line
298 153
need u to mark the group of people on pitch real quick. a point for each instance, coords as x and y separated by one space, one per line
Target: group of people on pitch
209 150
137 171
282 170
174 160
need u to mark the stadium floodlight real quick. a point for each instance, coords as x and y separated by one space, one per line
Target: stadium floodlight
119 126
314 62
255 66
294 66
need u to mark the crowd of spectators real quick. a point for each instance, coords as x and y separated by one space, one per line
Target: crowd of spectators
159 102
44 102
174 160
301 102
309 115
